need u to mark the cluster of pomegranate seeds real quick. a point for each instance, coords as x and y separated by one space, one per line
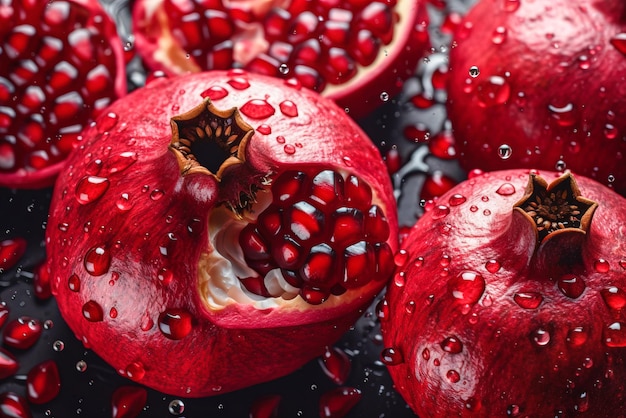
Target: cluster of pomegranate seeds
58 72
322 231
317 42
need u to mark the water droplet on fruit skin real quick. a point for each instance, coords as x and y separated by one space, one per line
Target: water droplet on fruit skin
492 92
97 261
499 35
541 337
492 266
289 149
335 364
453 376
121 162
384 96
22 333
176 407
528 300
43 382
338 402
288 108
615 334
135 371
614 297
577 336
452 345
456 200
92 311
257 109
91 188
564 115
264 129
467 287
128 401
175 324
601 265
571 285
265 407
506 189
14 405
107 122
474 71
391 356
215 93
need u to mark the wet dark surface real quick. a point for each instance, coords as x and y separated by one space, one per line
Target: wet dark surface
87 383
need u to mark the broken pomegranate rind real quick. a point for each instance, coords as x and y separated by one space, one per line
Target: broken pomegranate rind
556 207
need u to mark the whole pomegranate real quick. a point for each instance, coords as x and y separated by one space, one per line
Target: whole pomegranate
540 84
62 64
218 230
509 300
355 52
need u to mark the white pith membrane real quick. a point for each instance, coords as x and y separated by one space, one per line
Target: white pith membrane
220 268
250 40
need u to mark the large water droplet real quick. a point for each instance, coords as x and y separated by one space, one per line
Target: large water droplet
92 311
121 161
564 115
601 265
135 371
175 324
614 297
528 300
440 211
540 337
97 261
391 356
107 122
452 345
615 335
288 108
90 188
571 285
506 189
257 109
467 287
492 266
577 336
453 376
457 199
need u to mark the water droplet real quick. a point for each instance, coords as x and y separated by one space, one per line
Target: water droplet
494 91
384 96
43 382
289 149
576 336
614 297
499 35
94 167
176 407
175 324
90 188
215 93
511 5
506 189
540 337
560 166
452 345
439 212
505 151
135 371
264 129
124 203
335 364
165 276
467 287
571 285
81 366
391 356
257 109
122 161
564 115
513 410
601 265
288 108
615 335
453 376
97 261
128 401
619 42
92 311
239 83
456 199
107 122
528 300
474 71
409 307
492 266
58 345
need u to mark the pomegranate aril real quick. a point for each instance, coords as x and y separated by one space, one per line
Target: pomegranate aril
276 23
340 66
264 64
43 382
11 250
20 42
333 33
357 191
327 188
219 24
128 401
309 77
336 365
22 333
319 268
221 56
253 245
302 27
287 254
256 285
338 402
314 296
13 405
348 223
8 364
189 31
376 225
378 18
364 47
305 221
287 186
308 52
357 258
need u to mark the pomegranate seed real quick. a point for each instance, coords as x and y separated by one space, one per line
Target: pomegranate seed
22 333
8 364
302 27
11 250
43 382
13 405
128 401
336 365
265 407
338 402
175 324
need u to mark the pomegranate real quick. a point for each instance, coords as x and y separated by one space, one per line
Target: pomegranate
508 300
62 64
225 216
540 84
354 52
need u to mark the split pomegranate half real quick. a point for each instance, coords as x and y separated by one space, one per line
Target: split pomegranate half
224 216
354 52
62 65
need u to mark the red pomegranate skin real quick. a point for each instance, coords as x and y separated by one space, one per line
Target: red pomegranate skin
132 265
482 320
62 64
549 93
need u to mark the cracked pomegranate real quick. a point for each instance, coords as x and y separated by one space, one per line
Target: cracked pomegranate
510 300
238 220
62 65
351 52
540 84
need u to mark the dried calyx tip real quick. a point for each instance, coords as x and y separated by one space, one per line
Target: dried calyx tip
556 207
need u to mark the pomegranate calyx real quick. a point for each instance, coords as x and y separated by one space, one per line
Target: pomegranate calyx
555 208
207 125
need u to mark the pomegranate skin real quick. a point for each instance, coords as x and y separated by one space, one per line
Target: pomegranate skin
135 247
549 93
482 321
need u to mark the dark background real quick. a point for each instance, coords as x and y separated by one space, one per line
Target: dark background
88 393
